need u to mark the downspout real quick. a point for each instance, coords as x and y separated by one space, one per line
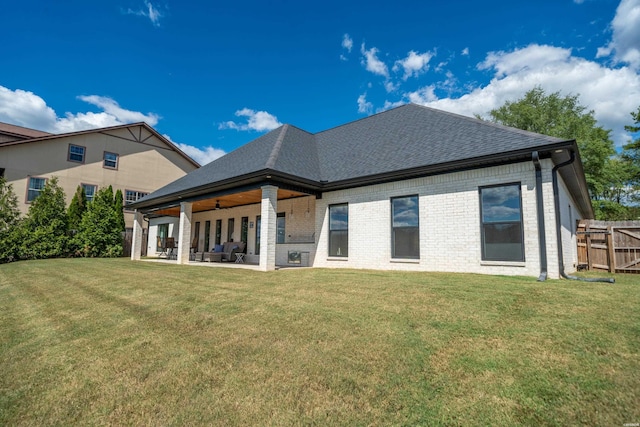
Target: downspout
542 238
556 202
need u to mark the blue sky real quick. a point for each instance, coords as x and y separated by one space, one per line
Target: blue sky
212 76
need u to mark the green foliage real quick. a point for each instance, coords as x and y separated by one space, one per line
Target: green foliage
9 221
77 208
564 117
119 209
631 155
43 233
99 233
608 210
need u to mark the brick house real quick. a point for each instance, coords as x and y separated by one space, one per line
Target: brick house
412 188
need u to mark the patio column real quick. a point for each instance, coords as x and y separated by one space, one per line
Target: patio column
136 239
268 215
184 233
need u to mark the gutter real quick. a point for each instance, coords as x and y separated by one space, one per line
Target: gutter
542 238
556 202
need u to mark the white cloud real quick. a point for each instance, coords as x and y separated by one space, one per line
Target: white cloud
465 52
257 120
27 109
151 12
611 92
414 64
201 155
363 105
347 42
372 63
625 43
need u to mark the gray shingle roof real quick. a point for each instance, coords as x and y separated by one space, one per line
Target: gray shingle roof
404 138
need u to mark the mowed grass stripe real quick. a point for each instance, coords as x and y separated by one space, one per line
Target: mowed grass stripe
116 342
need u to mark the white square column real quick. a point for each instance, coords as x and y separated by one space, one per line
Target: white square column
184 232
268 224
136 239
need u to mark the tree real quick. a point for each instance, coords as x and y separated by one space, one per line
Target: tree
564 117
99 234
43 233
77 208
631 155
9 221
118 205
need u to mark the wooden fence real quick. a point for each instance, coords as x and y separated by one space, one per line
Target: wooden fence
612 246
127 240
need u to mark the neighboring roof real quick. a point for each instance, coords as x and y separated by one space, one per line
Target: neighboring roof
20 132
410 140
43 136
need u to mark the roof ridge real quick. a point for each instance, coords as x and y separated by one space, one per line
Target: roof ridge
275 151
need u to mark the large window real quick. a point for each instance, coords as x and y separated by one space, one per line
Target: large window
163 233
501 213
76 153
218 231
244 229
339 230
258 221
231 225
89 191
36 185
405 227
207 232
280 227
110 160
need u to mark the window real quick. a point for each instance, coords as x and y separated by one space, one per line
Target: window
207 232
501 217
218 231
280 227
131 196
110 160
36 185
405 227
76 153
1 172
163 233
244 229
258 221
196 236
231 224
339 230
89 191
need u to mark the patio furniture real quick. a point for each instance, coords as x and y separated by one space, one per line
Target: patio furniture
170 246
161 243
226 252
239 258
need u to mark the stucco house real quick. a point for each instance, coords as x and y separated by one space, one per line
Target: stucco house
134 158
412 188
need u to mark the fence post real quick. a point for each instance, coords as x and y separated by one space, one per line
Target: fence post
588 244
611 250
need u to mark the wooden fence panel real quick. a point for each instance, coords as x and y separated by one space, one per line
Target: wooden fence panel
612 246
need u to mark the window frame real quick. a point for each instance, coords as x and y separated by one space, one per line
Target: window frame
218 237
281 231
332 230
394 228
29 189
258 227
69 153
139 195
483 248
104 160
85 186
207 235
231 225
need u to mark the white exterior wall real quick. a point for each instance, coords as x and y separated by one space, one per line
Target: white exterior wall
569 214
153 232
449 208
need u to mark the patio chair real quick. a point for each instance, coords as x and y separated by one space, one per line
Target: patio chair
161 243
170 244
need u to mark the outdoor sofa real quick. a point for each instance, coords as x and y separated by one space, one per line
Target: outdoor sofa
226 252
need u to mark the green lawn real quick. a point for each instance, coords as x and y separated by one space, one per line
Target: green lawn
86 341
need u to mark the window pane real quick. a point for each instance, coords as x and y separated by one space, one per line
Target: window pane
89 191
500 204
339 243
110 160
280 228
503 242
406 242
76 153
231 225
405 211
339 217
502 223
405 235
218 231
258 221
35 188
